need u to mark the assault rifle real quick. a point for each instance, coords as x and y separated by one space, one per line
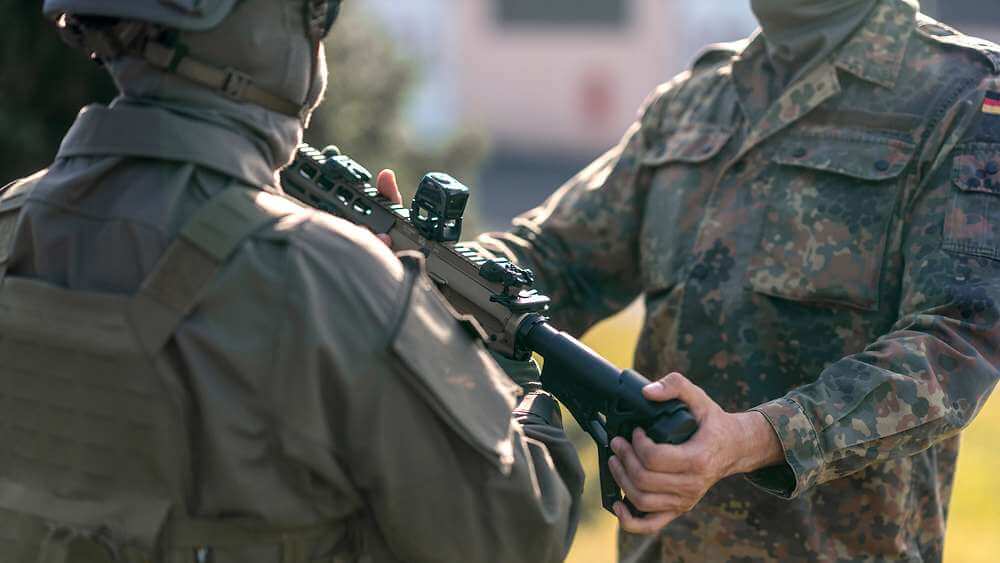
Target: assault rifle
604 400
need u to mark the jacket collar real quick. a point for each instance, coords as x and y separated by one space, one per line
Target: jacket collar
874 52
156 133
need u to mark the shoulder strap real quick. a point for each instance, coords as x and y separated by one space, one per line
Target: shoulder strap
936 31
12 199
190 263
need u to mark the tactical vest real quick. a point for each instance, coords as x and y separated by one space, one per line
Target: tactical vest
95 464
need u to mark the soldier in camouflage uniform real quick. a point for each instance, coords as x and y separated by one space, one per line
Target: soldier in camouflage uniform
812 218
195 369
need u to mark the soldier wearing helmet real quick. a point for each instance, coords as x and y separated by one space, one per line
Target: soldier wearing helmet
193 368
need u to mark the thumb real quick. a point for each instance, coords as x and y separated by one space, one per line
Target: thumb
388 187
676 386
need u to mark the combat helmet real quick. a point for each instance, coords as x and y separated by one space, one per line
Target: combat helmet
106 29
193 15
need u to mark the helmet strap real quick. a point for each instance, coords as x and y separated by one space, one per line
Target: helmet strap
173 57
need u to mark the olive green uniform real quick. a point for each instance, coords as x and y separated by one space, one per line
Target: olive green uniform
825 253
320 390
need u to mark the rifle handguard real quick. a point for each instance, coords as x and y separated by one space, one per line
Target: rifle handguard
606 401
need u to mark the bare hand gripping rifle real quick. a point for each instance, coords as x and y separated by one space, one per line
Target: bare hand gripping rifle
604 400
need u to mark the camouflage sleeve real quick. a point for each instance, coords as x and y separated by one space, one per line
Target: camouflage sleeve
930 375
582 243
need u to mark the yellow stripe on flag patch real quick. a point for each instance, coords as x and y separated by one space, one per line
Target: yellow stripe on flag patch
991 104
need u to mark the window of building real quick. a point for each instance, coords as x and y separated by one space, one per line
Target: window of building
562 12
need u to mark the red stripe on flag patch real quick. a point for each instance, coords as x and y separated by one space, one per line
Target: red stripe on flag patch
991 104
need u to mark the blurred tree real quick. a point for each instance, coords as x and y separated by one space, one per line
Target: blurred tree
44 83
370 80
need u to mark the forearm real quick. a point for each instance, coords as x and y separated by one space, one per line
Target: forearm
582 243
929 376
905 393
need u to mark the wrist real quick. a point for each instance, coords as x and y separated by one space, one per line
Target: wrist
759 446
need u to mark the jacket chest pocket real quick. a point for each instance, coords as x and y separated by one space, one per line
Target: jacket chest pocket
829 210
972 225
682 173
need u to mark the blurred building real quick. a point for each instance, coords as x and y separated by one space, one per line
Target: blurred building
973 17
554 83
562 75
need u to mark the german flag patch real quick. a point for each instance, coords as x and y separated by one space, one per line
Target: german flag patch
991 104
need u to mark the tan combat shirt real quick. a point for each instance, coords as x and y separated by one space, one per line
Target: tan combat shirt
327 382
828 254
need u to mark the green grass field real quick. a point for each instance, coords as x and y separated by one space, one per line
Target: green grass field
974 524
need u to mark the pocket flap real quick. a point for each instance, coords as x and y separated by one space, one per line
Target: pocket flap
454 374
692 143
977 168
864 156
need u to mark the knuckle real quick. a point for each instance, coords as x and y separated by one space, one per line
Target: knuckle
700 462
640 453
637 465
647 454
645 479
689 499
680 505
642 501
689 491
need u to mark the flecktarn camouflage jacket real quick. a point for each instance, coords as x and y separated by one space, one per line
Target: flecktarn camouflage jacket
826 253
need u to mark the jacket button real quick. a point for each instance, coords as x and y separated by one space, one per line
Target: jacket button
992 168
882 165
699 272
800 152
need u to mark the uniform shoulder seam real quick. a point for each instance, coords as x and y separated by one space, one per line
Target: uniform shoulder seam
717 53
14 194
933 30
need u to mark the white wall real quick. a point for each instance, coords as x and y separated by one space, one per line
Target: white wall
568 89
